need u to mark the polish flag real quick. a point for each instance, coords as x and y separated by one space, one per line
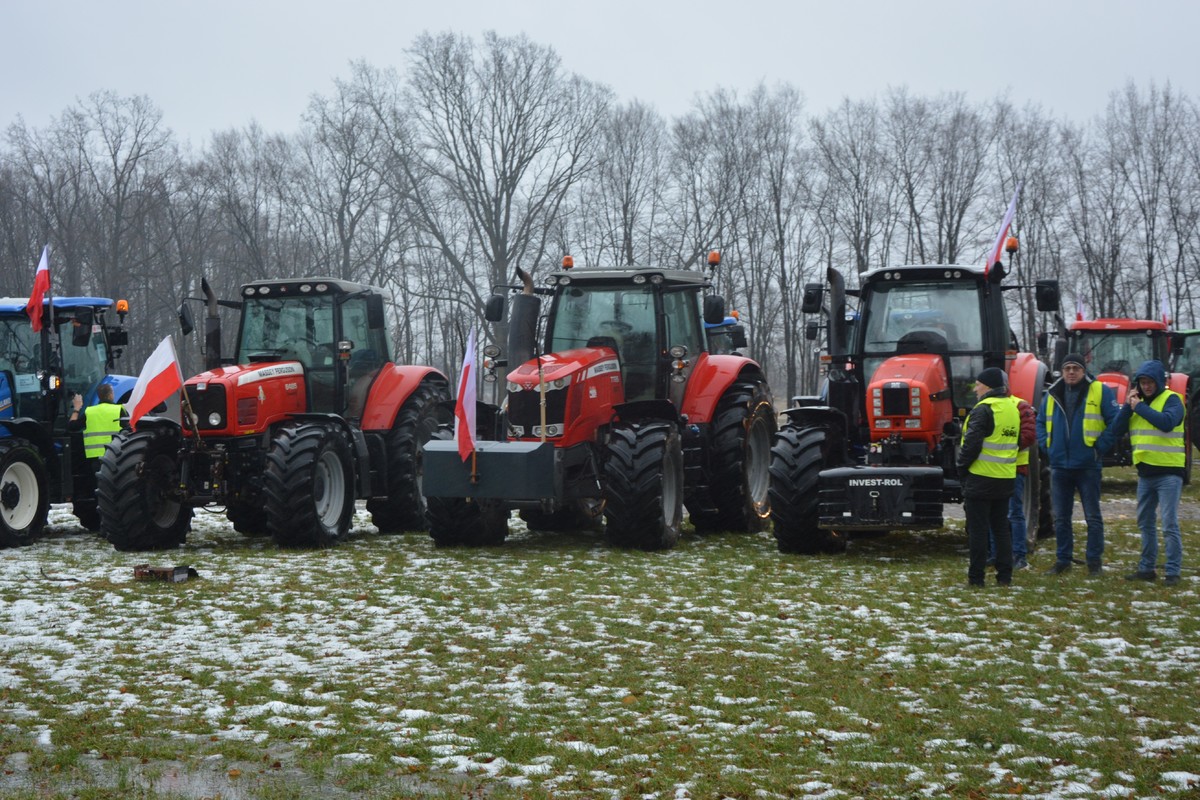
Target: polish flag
159 380
464 409
998 247
1164 304
41 286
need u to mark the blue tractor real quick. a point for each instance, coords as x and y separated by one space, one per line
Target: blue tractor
40 461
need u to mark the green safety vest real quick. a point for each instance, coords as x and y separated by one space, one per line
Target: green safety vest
1093 420
103 422
1154 446
998 458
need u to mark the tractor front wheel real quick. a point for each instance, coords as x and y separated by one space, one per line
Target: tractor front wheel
796 464
644 485
309 486
138 492
24 502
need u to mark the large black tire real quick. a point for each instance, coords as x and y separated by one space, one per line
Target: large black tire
457 521
404 509
138 492
796 464
24 498
309 486
1045 519
643 490
739 458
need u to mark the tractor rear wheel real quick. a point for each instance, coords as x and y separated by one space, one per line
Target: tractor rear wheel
138 492
404 507
644 485
24 501
796 464
739 458
309 486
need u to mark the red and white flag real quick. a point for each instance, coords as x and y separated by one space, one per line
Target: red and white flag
464 409
41 286
1164 303
1005 224
159 380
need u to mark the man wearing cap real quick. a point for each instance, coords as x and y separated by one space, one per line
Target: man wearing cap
1155 419
987 463
1074 427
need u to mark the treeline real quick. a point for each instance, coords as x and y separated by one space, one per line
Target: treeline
437 179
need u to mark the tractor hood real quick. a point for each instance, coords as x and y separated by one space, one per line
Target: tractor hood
909 396
581 388
560 369
246 398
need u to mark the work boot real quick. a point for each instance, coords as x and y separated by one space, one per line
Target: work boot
1059 568
1170 580
1142 575
1020 563
1095 568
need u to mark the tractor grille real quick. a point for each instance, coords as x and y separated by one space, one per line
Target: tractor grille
205 402
895 400
525 416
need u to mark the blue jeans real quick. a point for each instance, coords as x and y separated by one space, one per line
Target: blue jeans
1064 483
1016 523
1160 493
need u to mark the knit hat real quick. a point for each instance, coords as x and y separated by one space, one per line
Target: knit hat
1074 358
993 378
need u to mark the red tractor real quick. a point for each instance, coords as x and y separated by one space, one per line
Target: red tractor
1113 350
309 415
620 410
876 450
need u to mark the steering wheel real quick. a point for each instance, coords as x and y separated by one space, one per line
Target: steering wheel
19 362
324 353
617 325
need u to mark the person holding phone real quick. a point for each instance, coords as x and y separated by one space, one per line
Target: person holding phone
1155 418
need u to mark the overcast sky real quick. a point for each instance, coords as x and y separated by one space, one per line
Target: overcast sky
220 64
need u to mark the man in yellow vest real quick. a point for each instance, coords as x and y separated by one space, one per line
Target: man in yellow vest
1074 427
98 424
1155 418
987 466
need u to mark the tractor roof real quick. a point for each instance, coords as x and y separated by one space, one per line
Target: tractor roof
630 275
1110 325
16 305
923 272
305 286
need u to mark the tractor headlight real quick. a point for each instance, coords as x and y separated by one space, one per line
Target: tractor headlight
214 419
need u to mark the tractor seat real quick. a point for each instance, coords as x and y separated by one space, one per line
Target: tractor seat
922 341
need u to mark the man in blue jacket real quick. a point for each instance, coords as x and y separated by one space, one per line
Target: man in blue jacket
1155 419
1074 426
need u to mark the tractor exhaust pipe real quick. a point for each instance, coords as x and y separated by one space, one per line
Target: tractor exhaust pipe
837 312
522 322
212 328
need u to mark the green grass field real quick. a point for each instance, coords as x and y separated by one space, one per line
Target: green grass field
558 667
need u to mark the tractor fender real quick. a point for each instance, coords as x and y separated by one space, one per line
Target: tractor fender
1027 378
31 431
1177 382
710 377
391 388
149 421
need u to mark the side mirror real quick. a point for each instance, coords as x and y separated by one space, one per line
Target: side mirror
737 336
813 292
118 337
812 329
1043 341
1045 294
376 319
1177 344
81 327
493 310
714 309
186 323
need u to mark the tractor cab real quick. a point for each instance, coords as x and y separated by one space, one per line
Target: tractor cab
334 329
1113 349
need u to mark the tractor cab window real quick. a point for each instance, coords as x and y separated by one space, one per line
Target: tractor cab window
1188 360
20 360
83 367
943 317
368 353
623 314
1119 352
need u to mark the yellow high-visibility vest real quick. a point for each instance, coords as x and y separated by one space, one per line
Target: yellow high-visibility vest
102 423
1093 420
998 458
1154 446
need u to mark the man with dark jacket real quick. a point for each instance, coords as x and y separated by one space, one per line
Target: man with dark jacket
987 463
1075 427
1155 419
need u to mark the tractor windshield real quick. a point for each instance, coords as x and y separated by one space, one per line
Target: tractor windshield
83 365
1117 351
288 329
625 315
943 317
